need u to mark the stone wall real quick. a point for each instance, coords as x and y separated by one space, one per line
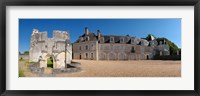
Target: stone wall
108 51
23 56
58 47
85 50
162 49
124 52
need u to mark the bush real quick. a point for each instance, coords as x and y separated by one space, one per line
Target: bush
26 52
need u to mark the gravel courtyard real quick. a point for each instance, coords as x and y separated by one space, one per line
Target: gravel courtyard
140 68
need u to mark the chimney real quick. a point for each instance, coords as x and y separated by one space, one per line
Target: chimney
86 31
98 34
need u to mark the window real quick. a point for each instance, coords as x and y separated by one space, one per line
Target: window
92 56
79 47
87 38
86 47
92 46
132 49
111 39
132 41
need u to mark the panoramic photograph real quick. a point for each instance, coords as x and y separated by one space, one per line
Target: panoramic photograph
100 47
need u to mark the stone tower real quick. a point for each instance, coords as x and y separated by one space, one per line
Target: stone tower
58 48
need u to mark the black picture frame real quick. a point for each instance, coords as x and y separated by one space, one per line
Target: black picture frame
4 3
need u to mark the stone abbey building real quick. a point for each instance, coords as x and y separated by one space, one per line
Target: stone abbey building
110 47
58 48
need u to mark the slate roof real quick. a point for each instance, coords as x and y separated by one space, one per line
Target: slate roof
162 40
91 35
127 39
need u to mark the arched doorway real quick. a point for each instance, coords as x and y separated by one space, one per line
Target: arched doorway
92 57
50 62
80 56
147 57
86 55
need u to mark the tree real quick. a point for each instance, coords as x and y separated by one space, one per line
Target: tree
172 47
26 52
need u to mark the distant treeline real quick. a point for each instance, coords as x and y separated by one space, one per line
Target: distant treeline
172 47
25 53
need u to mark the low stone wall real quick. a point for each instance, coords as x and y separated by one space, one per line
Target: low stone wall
45 72
23 56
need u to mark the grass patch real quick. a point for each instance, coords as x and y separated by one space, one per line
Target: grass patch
31 62
50 62
21 73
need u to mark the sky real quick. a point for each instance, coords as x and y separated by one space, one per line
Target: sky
168 28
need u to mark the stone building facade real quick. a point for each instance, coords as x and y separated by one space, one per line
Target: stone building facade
58 48
110 47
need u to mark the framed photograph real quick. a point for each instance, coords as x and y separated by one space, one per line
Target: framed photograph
87 47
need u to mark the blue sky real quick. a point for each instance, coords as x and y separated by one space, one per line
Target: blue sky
169 28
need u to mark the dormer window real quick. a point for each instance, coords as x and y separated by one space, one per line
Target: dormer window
81 39
87 38
111 39
102 40
160 43
132 41
121 40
